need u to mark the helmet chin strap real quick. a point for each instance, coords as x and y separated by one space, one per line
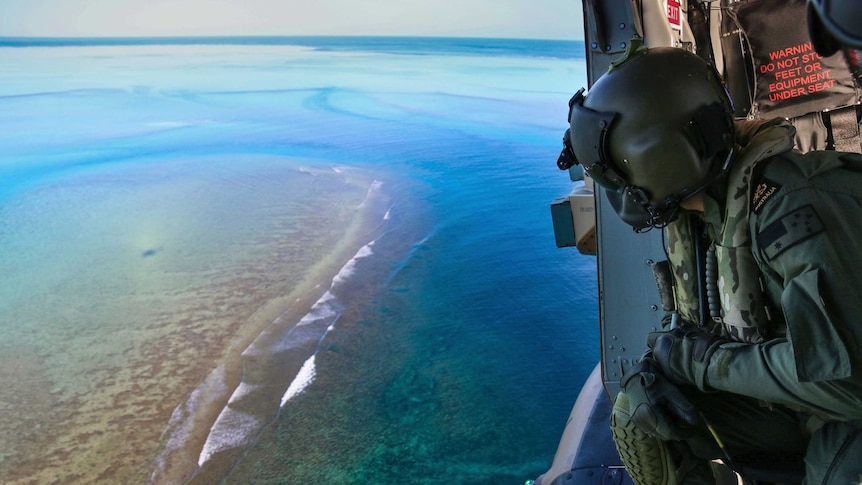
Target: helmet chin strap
634 208
659 218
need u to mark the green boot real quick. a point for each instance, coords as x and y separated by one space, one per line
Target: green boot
651 461
647 459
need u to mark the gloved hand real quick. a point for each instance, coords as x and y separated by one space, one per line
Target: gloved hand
656 405
683 353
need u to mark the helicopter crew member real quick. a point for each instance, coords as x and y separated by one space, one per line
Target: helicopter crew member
768 364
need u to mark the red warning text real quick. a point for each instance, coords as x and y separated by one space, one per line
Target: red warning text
795 71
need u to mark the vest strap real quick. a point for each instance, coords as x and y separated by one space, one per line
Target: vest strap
845 130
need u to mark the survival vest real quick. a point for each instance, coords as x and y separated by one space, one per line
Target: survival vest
743 308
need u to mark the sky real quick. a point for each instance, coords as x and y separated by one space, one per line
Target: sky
527 19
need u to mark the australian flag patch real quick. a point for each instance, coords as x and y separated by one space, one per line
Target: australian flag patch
793 228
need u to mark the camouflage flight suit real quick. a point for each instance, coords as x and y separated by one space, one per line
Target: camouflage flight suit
788 240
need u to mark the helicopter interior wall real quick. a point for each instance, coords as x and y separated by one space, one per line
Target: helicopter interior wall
770 69
763 59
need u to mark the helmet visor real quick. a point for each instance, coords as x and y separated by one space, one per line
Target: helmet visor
588 143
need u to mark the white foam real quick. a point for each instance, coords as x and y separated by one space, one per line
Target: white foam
323 309
350 267
182 421
253 348
241 391
320 310
372 190
303 378
232 429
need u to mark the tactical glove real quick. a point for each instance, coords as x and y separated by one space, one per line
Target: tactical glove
683 353
657 406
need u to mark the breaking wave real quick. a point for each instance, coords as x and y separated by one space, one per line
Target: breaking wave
235 428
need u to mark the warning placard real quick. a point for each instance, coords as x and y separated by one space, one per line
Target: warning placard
796 71
791 79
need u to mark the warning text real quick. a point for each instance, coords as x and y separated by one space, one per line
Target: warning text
795 71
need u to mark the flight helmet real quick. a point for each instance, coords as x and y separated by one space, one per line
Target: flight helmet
835 24
656 129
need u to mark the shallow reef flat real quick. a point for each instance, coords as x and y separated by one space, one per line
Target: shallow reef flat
125 290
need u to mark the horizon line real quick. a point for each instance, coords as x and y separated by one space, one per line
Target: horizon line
269 36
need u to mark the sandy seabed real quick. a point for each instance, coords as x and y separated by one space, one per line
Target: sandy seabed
122 297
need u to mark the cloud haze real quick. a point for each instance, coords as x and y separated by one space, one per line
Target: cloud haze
554 19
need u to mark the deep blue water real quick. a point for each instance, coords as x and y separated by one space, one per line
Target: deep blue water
462 340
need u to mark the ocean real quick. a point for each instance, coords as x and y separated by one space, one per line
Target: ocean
286 260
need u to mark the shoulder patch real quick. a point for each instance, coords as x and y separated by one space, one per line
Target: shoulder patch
764 189
793 228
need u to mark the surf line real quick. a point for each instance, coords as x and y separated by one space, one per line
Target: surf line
307 372
234 428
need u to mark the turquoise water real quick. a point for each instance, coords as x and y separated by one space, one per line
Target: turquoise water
322 260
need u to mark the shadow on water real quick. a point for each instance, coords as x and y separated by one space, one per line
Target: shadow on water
151 252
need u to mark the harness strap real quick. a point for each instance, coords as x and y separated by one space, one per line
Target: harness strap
845 130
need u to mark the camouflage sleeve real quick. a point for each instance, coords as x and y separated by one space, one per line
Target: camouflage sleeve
808 246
